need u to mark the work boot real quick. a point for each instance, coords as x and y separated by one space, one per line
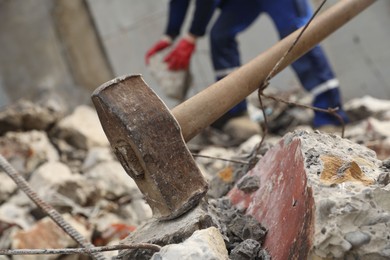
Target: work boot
326 119
330 98
241 128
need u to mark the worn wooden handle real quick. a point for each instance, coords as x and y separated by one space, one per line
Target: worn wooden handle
201 110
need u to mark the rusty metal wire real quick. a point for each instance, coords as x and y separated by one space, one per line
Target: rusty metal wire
67 251
48 209
222 159
265 83
331 111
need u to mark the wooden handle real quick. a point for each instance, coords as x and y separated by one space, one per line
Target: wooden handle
201 110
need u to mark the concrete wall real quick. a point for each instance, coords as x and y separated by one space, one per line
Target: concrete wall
358 51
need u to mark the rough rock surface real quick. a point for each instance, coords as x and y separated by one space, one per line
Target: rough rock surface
357 223
58 178
204 244
361 108
46 234
81 129
27 150
327 186
113 180
25 115
167 232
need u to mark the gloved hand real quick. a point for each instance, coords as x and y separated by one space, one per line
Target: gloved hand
180 57
159 46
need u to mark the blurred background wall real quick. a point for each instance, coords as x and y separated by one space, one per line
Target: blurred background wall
70 47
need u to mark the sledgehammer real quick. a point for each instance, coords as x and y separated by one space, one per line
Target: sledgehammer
149 140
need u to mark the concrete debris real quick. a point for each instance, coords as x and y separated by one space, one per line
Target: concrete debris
81 129
327 186
234 225
205 244
46 234
12 215
83 180
112 180
25 115
27 150
58 178
97 155
362 108
168 232
8 187
242 128
208 155
311 195
249 249
248 184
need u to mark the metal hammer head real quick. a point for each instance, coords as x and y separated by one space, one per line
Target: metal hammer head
147 141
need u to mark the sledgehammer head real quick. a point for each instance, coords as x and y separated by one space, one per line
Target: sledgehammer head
147 141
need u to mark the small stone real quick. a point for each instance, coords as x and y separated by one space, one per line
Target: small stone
46 234
81 129
56 177
207 244
246 250
8 187
26 115
97 155
384 178
246 227
357 238
249 184
386 164
167 232
113 180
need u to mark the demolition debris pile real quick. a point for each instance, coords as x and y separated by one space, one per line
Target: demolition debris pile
331 194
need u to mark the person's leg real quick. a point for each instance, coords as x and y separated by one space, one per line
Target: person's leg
313 68
235 16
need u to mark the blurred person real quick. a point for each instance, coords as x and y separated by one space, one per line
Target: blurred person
312 69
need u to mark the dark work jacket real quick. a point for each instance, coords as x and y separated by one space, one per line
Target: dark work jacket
201 17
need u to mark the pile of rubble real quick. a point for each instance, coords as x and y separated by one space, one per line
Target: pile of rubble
310 194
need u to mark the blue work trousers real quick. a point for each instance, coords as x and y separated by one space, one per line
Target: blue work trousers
312 69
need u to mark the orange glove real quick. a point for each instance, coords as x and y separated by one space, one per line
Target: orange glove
180 57
159 46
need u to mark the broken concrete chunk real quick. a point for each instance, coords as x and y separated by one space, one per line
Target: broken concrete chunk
56 177
27 150
357 238
138 211
25 115
319 197
246 227
8 187
46 234
208 155
222 182
246 250
12 215
248 184
167 232
361 108
81 129
113 180
97 155
204 244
